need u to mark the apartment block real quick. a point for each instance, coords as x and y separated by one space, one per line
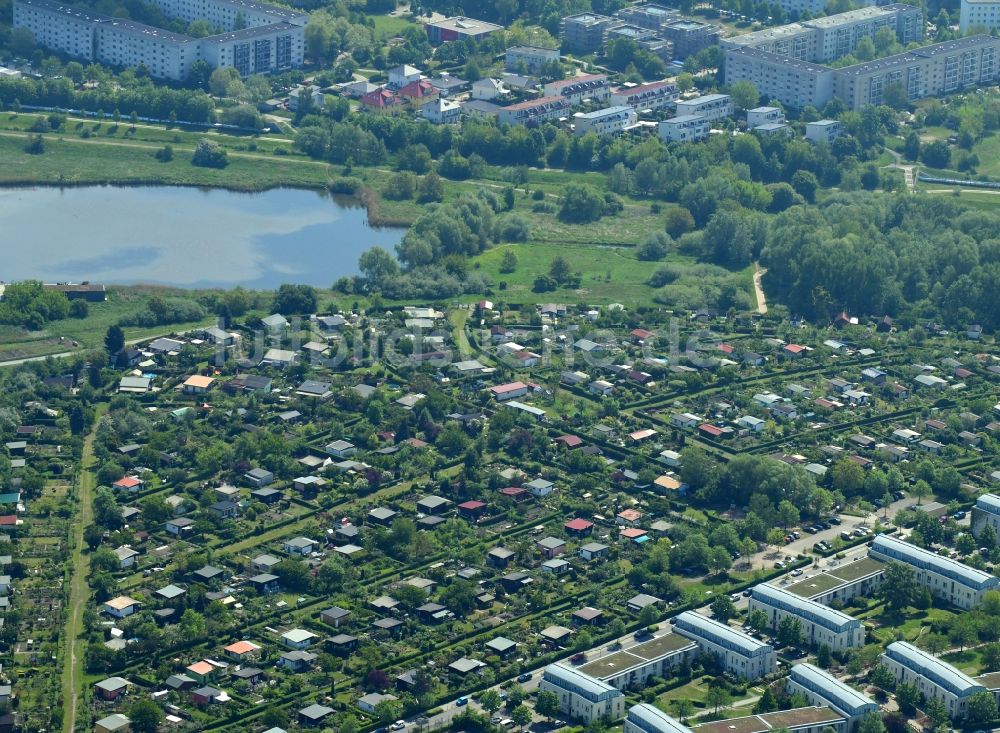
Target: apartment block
584 32
980 15
653 96
652 41
260 50
685 128
824 131
954 582
796 8
764 116
580 695
631 668
737 652
936 679
792 82
648 15
709 106
646 718
609 121
820 624
985 513
822 688
230 14
60 27
796 720
689 36
529 58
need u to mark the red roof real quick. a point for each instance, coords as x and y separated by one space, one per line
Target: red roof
510 387
570 441
128 482
710 429
8 520
513 491
632 532
642 434
379 98
472 505
640 333
725 348
578 525
795 348
418 89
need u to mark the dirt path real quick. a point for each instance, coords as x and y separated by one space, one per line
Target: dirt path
79 591
758 272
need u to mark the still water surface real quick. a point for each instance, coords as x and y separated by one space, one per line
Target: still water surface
185 237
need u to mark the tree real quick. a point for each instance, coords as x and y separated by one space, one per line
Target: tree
963 631
521 716
508 263
789 631
114 340
872 723
723 608
899 587
883 678
921 489
744 94
908 696
788 513
490 701
936 154
208 154
718 697
757 620
145 716
221 79
936 643
805 184
559 269
656 247
937 711
377 265
546 704
982 708
581 204
682 708
431 189
388 711
77 420
21 41
768 702
295 299
823 656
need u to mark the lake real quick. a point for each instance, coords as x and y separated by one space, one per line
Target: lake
184 237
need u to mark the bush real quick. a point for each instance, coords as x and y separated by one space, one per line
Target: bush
583 204
656 247
401 187
35 146
514 228
208 154
165 154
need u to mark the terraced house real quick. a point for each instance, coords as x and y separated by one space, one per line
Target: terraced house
822 688
937 680
820 624
737 652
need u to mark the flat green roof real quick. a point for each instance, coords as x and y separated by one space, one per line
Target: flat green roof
857 569
661 645
612 664
820 583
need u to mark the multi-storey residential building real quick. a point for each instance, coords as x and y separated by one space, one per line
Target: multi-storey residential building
689 36
580 695
230 14
604 121
584 32
947 579
829 38
796 720
796 8
979 15
861 577
824 131
642 97
792 82
593 87
764 116
631 668
709 106
986 513
648 15
534 111
646 718
643 37
820 624
459 29
529 58
684 128
822 688
259 48
936 679
737 652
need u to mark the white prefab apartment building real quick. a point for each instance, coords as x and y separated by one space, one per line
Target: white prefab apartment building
737 652
272 38
936 679
980 15
709 106
824 131
645 718
529 58
685 128
653 96
985 513
580 695
604 121
822 688
947 579
820 624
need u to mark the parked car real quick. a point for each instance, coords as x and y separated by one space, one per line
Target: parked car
462 701
959 515
747 593
779 565
797 572
796 535
834 520
527 675
398 725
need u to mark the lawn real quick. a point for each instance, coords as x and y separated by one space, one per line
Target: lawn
387 26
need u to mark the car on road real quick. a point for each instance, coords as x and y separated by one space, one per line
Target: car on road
578 658
398 725
797 572
496 719
642 634
527 675
734 597
462 701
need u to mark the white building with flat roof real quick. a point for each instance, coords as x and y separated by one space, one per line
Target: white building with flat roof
824 131
709 106
980 15
953 582
580 695
530 59
609 121
820 624
936 679
986 513
646 718
684 128
641 97
632 668
737 652
822 688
